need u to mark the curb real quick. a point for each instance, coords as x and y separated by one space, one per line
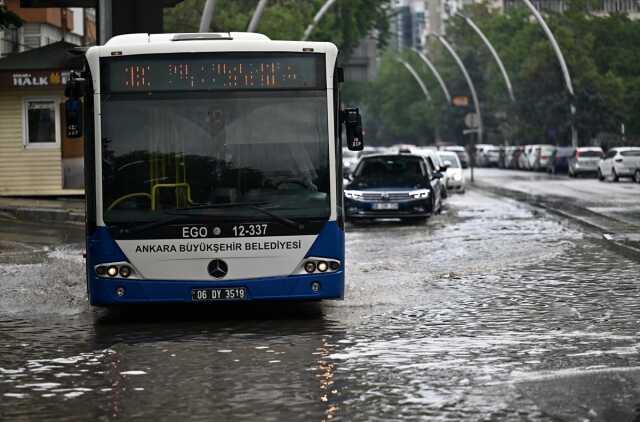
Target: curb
579 215
44 215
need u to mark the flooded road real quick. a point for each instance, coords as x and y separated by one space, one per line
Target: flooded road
492 311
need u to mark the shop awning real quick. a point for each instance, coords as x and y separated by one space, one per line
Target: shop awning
53 56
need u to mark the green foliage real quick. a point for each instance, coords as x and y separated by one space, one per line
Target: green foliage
8 18
602 55
346 24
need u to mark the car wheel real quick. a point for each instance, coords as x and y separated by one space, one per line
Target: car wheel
600 176
636 176
614 175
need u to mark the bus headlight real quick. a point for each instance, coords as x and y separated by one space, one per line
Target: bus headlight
309 266
314 265
419 194
125 271
112 271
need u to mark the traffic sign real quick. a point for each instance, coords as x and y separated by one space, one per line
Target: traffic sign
460 101
472 120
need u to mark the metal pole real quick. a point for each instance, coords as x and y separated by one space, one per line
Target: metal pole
257 15
435 72
563 65
472 88
494 53
416 77
207 15
105 13
317 18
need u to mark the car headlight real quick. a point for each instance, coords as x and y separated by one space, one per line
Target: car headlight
457 177
419 194
353 194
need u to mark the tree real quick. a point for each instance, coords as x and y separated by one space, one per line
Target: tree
345 25
8 18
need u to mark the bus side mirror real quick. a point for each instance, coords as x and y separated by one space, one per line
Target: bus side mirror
353 125
73 112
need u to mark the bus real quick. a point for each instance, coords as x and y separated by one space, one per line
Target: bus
213 168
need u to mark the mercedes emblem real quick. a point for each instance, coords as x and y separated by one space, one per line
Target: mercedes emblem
218 268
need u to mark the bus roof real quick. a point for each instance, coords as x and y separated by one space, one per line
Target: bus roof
144 38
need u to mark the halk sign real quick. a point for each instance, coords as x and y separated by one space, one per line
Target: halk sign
34 79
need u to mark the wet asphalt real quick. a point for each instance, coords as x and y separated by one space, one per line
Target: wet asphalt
494 310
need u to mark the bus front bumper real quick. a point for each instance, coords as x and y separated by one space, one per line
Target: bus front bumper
104 291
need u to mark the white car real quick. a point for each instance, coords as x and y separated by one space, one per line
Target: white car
455 176
620 162
539 156
349 161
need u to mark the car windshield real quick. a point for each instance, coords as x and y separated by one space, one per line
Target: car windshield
390 171
175 151
450 160
590 153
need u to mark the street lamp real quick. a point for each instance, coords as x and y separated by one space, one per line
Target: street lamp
435 72
323 10
563 66
415 75
257 15
207 16
472 88
494 53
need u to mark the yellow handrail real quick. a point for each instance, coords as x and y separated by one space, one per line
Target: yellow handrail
131 195
155 188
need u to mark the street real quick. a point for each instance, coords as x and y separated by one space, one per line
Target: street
494 310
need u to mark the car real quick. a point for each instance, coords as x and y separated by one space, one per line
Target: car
455 176
393 186
487 155
512 156
585 160
559 160
539 158
349 161
619 162
461 153
523 158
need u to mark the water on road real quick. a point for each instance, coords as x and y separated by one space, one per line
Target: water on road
493 310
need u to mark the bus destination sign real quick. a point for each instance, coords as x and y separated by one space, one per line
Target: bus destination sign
208 72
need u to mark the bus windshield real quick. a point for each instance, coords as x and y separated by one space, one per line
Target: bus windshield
175 151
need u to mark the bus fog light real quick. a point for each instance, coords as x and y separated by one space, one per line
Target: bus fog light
112 271
120 291
315 286
334 265
323 266
309 266
125 271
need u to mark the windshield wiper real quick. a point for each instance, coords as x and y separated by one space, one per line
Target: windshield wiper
251 205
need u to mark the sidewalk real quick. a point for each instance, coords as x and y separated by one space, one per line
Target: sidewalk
59 210
610 210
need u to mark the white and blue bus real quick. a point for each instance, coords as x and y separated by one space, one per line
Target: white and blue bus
213 166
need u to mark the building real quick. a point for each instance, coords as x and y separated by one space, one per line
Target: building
596 7
35 156
363 63
408 24
43 26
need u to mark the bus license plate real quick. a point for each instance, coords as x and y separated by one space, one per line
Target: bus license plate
386 206
226 293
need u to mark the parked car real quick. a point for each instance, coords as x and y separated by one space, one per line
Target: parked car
435 164
349 161
492 155
393 186
559 160
461 153
585 160
455 175
512 156
523 159
619 162
539 158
